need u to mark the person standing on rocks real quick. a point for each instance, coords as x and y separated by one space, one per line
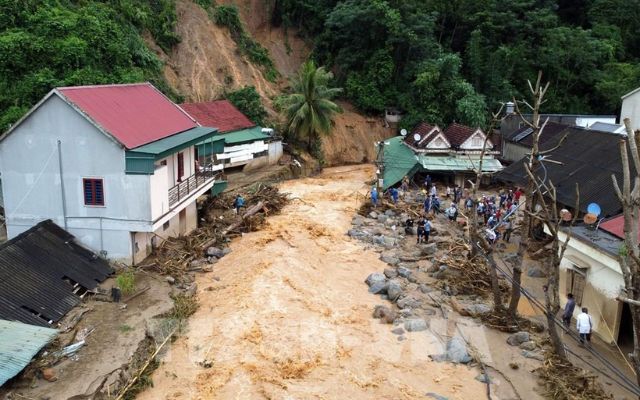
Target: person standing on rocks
374 197
394 195
584 325
238 203
427 204
420 229
427 229
568 310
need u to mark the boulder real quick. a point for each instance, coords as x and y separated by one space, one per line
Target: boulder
408 302
390 213
215 252
384 313
403 272
394 290
378 288
390 242
477 309
428 249
357 221
533 355
535 272
192 290
441 273
397 331
378 240
518 338
424 288
529 346
457 351
415 325
389 257
373 215
226 251
382 218
390 273
375 278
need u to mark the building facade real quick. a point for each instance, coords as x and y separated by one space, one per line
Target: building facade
114 165
631 108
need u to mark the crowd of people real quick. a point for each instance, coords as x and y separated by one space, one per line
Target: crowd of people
497 213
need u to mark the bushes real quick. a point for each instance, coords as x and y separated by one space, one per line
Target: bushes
228 17
248 101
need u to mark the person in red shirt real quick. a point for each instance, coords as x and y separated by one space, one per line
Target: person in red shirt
516 195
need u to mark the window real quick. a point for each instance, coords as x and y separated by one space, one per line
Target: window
476 141
93 192
180 166
575 283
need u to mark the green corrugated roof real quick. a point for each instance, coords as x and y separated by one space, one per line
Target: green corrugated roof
400 160
19 343
244 136
457 163
163 147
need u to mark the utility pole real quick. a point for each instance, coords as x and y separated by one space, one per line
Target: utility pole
380 166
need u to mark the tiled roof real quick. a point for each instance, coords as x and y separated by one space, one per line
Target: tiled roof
219 114
457 134
35 270
134 114
421 129
587 158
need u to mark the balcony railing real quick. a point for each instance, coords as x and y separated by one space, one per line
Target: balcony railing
185 188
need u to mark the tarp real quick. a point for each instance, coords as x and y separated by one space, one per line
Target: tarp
18 344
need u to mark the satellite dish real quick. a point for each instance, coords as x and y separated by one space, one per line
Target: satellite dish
403 132
593 208
416 137
590 219
565 215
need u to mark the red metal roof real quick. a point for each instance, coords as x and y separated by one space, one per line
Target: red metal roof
457 134
615 226
422 129
135 114
219 114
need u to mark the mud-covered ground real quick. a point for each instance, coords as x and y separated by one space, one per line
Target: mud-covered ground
287 315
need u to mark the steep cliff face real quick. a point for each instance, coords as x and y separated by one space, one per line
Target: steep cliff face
207 63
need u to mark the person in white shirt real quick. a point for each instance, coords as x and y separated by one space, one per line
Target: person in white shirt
584 325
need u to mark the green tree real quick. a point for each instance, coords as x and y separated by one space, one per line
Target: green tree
248 101
309 108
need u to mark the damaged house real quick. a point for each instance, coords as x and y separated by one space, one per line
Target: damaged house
452 155
114 165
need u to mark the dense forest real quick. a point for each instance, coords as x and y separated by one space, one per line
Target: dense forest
439 60
445 60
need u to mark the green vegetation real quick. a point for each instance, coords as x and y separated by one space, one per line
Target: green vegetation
443 60
228 17
248 101
47 43
309 109
126 281
125 328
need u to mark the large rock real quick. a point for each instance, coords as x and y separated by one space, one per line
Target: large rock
375 278
378 288
390 213
403 272
529 346
382 218
442 272
408 302
389 257
428 249
49 374
384 313
457 351
373 215
357 221
394 290
415 325
518 338
477 309
390 273
533 355
215 252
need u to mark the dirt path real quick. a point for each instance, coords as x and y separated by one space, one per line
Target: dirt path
287 315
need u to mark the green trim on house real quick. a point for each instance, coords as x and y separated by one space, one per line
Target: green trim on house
244 136
140 160
218 187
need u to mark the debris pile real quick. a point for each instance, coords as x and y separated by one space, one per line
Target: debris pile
177 257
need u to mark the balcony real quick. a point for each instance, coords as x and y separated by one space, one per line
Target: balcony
190 185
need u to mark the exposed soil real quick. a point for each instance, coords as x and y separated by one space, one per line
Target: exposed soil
287 315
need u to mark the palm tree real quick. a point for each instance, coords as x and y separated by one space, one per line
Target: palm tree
309 108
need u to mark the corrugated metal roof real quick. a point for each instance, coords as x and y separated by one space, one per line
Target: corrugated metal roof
588 158
457 133
161 148
615 226
244 136
37 269
523 135
220 114
134 114
19 343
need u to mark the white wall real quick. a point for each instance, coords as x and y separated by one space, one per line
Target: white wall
631 109
159 191
588 121
32 186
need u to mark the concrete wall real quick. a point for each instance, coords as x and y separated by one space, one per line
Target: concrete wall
631 109
32 185
602 285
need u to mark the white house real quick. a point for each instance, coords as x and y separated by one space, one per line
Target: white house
631 108
590 270
114 165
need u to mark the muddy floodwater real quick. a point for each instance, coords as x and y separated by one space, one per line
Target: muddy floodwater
287 315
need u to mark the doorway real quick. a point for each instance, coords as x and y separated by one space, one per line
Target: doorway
625 334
